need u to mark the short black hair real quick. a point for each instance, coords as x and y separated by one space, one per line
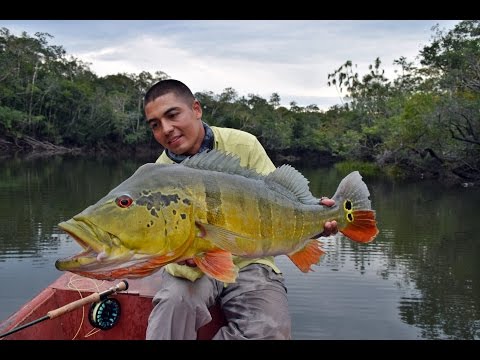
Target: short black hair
168 86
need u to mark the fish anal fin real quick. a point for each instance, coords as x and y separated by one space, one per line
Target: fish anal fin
363 228
217 264
134 271
148 266
309 255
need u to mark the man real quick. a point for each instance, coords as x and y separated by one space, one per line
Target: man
255 306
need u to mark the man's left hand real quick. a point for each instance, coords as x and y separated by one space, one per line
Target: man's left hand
330 227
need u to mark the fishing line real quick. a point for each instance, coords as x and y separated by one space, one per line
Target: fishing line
103 315
71 285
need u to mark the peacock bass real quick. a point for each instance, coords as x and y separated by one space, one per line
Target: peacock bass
208 208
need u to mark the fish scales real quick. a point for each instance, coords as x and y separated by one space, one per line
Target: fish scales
247 205
267 207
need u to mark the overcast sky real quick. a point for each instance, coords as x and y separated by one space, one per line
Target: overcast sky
290 57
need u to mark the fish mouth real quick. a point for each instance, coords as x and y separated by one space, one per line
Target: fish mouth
103 257
89 239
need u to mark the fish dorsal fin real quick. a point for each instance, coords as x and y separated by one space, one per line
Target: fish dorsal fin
294 182
290 179
216 160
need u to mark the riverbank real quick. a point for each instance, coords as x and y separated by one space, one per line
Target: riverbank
28 147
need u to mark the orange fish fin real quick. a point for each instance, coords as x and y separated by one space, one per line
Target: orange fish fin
309 255
133 272
217 264
149 265
363 227
227 240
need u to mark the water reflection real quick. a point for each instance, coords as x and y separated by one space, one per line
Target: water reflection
418 280
435 238
36 195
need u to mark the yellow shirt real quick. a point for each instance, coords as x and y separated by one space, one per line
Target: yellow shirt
252 155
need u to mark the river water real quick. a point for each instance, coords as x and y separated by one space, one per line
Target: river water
419 279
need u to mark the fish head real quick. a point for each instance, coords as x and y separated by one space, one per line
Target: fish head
134 230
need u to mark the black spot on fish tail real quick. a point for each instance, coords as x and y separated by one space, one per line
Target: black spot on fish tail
186 201
154 212
348 205
183 216
174 212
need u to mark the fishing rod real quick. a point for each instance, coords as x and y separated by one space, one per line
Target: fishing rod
95 297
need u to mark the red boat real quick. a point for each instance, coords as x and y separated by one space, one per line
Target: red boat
134 306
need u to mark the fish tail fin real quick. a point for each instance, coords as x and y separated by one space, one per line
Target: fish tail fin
357 220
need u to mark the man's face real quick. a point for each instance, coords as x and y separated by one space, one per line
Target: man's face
175 124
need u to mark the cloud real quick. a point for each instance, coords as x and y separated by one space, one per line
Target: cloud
290 57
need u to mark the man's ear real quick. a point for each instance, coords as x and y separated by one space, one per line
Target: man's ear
197 108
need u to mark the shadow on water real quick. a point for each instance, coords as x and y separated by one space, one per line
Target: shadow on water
419 279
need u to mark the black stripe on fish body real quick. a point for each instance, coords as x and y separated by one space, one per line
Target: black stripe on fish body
265 216
239 201
284 225
213 199
299 222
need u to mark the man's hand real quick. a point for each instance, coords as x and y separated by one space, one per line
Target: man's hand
326 201
330 227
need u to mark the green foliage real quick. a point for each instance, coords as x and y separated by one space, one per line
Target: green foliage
425 121
456 54
11 121
365 168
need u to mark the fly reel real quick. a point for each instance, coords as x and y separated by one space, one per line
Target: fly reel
104 314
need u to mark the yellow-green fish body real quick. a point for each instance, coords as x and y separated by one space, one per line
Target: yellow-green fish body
208 208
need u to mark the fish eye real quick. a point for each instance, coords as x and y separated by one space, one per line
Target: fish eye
124 201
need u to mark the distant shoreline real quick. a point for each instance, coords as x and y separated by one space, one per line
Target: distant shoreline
30 147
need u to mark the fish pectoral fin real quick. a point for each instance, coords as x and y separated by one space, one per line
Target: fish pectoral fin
227 240
217 264
363 227
309 255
